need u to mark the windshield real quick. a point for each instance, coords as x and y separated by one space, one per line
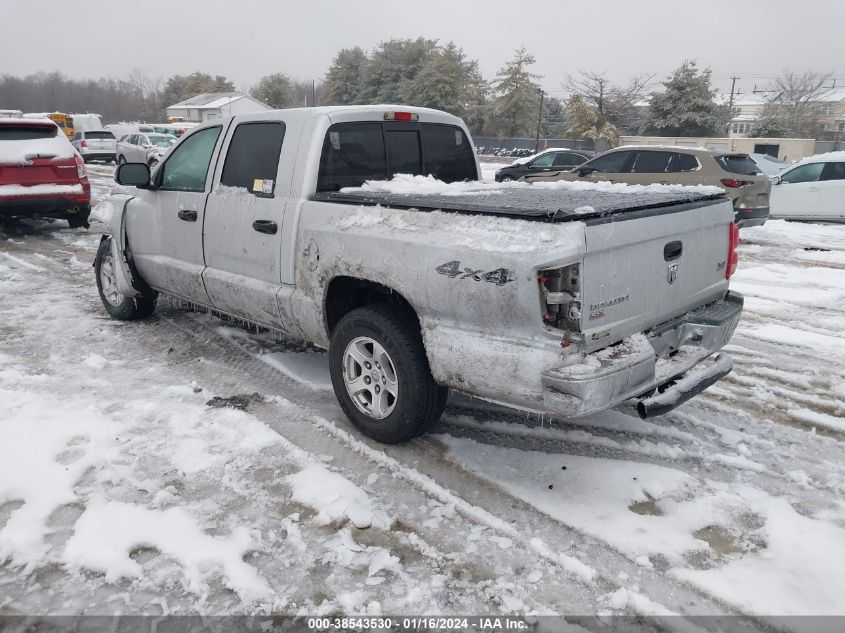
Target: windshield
770 166
162 141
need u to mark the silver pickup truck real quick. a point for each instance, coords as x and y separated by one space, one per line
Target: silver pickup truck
561 299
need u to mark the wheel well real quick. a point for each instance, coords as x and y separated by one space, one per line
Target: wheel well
345 294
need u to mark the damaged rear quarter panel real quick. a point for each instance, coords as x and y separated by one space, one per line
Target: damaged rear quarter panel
479 313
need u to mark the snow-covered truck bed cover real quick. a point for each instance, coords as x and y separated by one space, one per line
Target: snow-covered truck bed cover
534 203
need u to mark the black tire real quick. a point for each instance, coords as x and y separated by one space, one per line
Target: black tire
121 159
124 308
420 401
78 220
506 179
152 164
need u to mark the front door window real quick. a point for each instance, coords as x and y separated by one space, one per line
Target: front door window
187 167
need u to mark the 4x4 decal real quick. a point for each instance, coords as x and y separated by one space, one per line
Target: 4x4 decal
453 270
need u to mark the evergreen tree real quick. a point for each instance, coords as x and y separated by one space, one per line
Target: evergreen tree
448 81
686 107
181 87
586 123
276 91
516 107
344 79
392 65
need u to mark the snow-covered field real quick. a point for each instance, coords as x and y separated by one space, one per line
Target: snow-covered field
123 489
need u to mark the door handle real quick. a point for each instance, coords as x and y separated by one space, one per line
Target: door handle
673 250
265 226
189 215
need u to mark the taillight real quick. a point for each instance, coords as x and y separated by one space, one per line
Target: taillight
80 167
733 183
560 297
83 143
733 256
401 116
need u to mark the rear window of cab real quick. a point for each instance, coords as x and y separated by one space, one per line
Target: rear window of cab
356 152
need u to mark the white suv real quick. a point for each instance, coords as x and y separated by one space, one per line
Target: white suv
814 189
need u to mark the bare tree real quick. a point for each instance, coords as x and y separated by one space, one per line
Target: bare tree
794 106
613 103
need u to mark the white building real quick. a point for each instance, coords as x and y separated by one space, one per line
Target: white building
214 105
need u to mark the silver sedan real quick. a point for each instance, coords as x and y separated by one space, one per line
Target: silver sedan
144 147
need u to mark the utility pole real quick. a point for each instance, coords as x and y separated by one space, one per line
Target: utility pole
733 85
313 94
539 122
731 101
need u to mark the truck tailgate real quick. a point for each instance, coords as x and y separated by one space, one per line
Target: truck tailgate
644 269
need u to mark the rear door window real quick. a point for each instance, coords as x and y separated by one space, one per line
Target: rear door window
27 132
651 163
810 172
568 159
738 164
99 134
252 160
614 163
546 160
833 171
682 162
447 153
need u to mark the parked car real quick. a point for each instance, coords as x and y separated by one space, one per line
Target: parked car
550 160
145 148
813 190
737 174
95 145
536 301
769 165
41 174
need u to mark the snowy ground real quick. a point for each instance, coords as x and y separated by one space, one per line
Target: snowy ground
123 491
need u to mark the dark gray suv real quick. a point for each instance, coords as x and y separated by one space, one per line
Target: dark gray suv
554 159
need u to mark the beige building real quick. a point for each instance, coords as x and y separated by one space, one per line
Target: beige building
790 149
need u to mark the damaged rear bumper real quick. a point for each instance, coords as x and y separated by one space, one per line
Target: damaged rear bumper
672 358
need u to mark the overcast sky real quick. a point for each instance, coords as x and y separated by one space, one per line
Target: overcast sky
246 39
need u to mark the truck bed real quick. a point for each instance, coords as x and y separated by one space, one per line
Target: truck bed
533 203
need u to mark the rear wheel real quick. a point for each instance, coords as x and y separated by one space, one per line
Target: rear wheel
121 160
381 376
79 220
118 305
153 163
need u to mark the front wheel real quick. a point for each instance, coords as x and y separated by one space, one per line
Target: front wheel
506 179
380 374
121 160
152 164
118 305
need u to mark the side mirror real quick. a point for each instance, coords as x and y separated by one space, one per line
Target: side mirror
775 180
133 175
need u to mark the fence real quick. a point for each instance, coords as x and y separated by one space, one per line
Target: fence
529 143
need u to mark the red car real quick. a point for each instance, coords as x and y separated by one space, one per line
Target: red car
41 174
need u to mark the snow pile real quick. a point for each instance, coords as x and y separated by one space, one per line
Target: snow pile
335 498
425 185
738 543
23 151
108 531
46 446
